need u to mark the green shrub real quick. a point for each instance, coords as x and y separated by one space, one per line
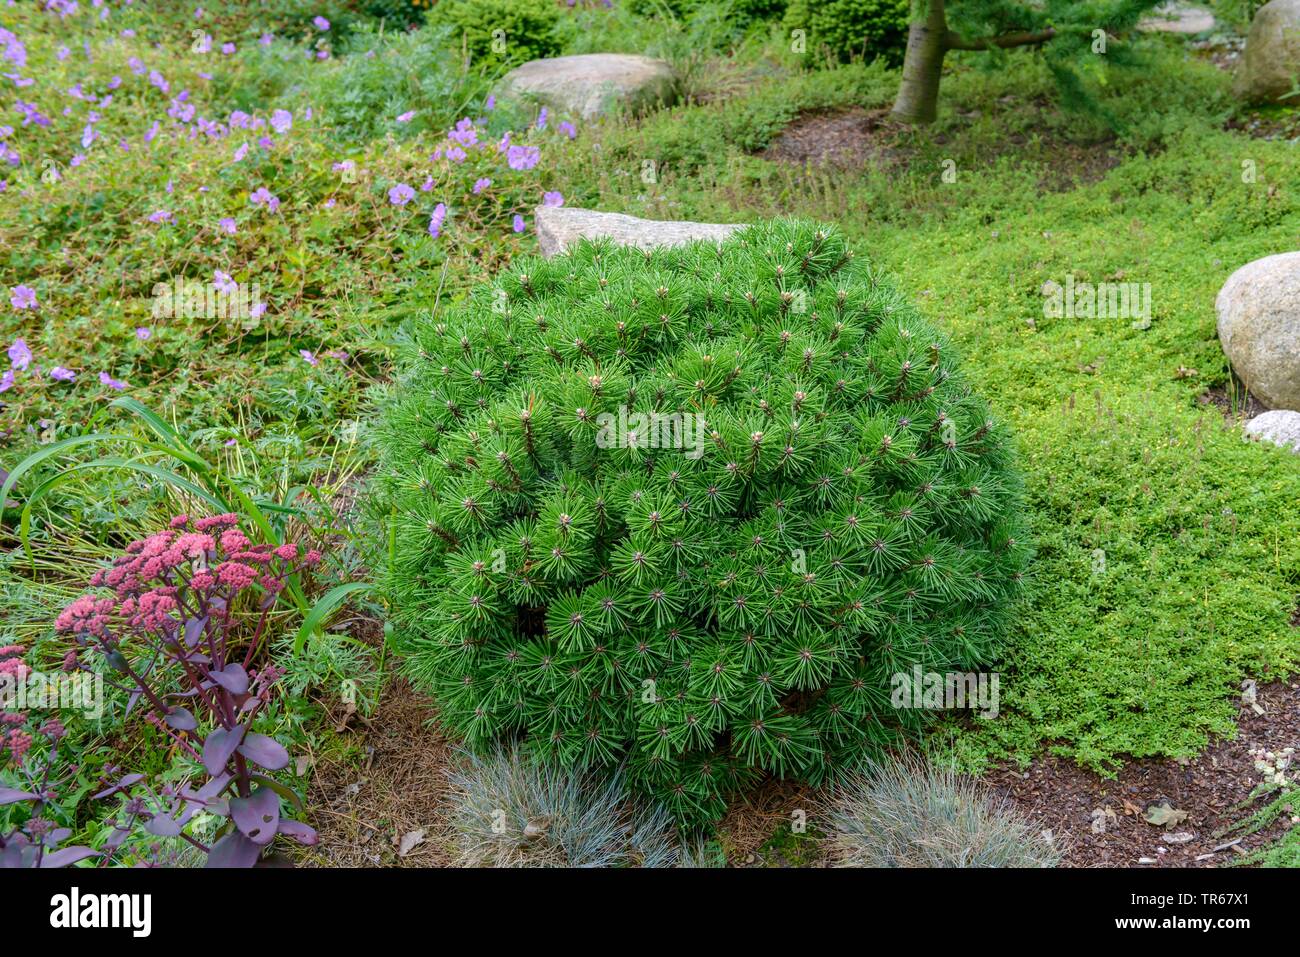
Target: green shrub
819 504
501 32
851 28
904 813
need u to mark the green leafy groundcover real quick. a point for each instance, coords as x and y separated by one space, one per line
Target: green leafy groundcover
692 509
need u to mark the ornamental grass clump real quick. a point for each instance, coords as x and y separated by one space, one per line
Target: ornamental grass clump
691 510
902 812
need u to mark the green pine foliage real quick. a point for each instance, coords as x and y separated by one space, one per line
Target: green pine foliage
703 611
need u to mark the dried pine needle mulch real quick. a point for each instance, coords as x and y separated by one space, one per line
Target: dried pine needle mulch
397 788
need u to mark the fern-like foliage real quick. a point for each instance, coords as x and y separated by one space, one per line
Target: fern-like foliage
691 509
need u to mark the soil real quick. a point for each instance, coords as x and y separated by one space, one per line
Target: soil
857 138
1102 823
1236 407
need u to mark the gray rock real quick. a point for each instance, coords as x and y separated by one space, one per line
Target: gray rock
1259 328
1272 60
559 227
1178 18
1280 427
590 83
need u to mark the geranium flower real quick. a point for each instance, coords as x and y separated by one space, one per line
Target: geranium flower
7 380
320 23
406 117
522 157
437 219
401 194
282 121
264 197
143 332
481 184
223 282
60 374
227 226
553 199
112 383
22 297
309 357
519 225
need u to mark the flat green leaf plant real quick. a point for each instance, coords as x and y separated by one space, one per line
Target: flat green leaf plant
690 510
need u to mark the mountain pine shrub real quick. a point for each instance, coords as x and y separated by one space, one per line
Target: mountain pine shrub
691 510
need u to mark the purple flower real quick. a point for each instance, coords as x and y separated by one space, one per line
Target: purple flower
7 380
437 219
541 119
240 153
553 199
143 332
160 216
112 383
406 117
227 48
309 357
519 225
256 310
22 297
456 154
227 226
568 129
223 283
320 23
282 121
522 157
264 197
491 103
266 39
481 184
19 355
401 194
60 374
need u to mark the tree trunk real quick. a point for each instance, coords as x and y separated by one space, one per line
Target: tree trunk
927 42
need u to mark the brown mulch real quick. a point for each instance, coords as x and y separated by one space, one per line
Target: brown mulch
754 818
362 805
844 139
1060 796
858 138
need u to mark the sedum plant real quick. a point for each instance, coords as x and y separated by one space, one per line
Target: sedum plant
691 509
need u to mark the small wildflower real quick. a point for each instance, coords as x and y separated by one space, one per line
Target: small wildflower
401 194
22 297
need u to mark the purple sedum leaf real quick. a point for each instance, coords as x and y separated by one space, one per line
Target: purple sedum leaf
122 785
13 796
257 817
232 677
299 832
69 855
194 630
219 747
233 850
163 825
264 752
182 719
